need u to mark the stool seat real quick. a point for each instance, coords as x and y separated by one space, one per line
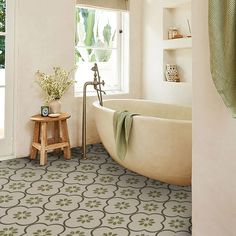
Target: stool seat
40 118
59 140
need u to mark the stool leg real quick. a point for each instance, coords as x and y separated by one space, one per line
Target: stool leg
36 134
56 134
43 152
65 138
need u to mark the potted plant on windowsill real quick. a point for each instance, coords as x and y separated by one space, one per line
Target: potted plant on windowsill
54 86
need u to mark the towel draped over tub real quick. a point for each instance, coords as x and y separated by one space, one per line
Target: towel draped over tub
122 123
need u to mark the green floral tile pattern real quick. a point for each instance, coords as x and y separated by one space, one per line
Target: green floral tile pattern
93 197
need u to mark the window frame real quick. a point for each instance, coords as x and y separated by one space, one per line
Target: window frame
122 56
8 142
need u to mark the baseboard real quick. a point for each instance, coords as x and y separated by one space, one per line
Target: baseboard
4 158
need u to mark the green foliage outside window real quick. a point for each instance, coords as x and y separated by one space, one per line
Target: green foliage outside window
2 29
87 34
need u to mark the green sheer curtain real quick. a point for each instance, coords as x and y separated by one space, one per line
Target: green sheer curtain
222 35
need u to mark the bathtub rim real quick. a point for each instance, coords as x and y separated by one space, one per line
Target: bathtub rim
177 121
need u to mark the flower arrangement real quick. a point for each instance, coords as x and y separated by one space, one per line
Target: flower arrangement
55 85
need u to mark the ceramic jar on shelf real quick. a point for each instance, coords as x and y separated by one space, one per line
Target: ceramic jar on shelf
171 73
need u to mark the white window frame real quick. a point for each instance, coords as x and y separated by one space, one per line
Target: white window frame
7 144
122 58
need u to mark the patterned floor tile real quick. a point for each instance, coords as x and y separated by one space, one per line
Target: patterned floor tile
63 202
50 217
177 224
28 175
21 215
16 186
10 199
150 207
45 188
6 173
116 220
76 232
127 192
180 196
12 229
111 169
106 231
3 182
15 164
54 176
80 178
73 189
120 205
85 219
173 208
43 229
93 204
154 194
34 200
100 191
148 222
95 197
132 181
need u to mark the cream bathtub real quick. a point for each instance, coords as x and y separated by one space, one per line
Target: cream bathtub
160 144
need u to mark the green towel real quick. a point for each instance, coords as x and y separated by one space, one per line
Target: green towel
122 123
222 35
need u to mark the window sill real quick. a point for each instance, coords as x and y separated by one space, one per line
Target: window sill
108 93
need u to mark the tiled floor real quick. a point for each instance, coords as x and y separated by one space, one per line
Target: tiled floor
90 197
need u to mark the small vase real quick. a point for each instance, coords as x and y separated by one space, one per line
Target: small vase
55 106
172 74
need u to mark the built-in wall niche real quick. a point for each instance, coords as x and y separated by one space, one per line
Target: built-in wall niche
181 58
176 14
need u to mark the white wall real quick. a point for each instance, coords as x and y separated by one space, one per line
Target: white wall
153 84
45 38
214 136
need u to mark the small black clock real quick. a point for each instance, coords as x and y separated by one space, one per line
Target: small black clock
44 110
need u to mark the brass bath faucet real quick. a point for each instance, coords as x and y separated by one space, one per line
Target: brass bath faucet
97 86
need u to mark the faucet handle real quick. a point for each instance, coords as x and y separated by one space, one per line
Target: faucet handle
95 67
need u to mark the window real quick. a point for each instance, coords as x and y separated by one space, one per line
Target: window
7 66
102 37
2 65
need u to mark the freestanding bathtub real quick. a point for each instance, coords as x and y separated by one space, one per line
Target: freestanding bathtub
160 143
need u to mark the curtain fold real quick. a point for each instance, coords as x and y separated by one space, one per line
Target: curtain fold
222 39
108 4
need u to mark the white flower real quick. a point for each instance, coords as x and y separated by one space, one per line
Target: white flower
55 85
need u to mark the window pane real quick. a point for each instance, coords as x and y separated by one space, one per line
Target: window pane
2 52
93 55
2 15
96 28
108 70
2 111
98 40
2 77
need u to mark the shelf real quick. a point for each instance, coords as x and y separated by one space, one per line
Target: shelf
177 14
173 44
174 3
181 83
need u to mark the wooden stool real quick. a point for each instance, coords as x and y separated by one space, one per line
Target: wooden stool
60 137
